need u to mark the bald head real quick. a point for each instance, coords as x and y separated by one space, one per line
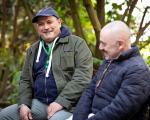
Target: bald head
119 30
114 39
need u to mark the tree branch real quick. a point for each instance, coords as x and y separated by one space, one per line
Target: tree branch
95 23
76 18
126 11
133 4
142 29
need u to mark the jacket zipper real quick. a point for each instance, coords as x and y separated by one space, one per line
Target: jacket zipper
103 74
46 91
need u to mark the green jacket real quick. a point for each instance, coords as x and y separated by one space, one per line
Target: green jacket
72 68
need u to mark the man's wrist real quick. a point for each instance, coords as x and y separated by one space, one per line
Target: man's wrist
21 106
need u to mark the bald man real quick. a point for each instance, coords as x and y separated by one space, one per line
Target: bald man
122 84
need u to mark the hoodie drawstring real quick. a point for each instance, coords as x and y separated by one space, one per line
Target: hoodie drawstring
50 57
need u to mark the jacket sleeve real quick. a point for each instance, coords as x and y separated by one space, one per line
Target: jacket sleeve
81 77
25 87
133 92
83 108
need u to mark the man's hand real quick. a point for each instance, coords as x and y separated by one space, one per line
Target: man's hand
25 113
53 108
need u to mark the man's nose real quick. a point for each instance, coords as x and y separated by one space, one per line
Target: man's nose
46 26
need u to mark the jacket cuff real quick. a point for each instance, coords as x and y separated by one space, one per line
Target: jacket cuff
62 101
19 106
25 102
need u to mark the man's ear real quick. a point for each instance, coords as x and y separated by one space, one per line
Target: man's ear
60 21
121 45
36 27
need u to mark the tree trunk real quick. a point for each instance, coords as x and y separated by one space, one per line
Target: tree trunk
4 18
14 38
76 18
95 23
133 4
29 13
4 82
100 7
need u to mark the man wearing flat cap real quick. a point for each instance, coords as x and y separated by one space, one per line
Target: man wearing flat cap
57 69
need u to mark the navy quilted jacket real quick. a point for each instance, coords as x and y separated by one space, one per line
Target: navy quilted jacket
124 88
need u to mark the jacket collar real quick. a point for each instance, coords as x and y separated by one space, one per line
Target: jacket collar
35 46
134 51
62 40
64 33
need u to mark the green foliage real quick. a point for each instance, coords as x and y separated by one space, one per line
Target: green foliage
97 61
148 60
87 26
5 55
13 64
114 13
13 97
26 34
145 51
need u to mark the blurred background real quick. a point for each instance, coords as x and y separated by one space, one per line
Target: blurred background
84 18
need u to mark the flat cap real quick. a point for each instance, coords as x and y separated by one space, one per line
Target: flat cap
47 11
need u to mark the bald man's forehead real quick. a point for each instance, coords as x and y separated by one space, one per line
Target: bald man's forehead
107 36
108 32
117 26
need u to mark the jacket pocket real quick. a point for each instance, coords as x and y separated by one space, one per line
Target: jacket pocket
67 61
